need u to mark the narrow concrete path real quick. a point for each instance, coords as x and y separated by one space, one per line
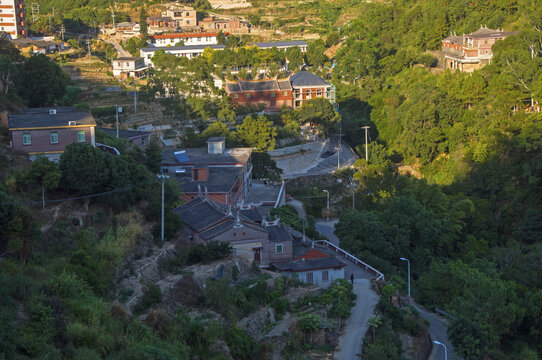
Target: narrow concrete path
358 322
327 229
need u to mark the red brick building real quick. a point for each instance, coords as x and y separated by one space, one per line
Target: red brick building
47 131
471 51
273 93
291 92
234 26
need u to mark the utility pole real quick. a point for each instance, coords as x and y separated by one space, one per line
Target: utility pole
366 144
408 261
327 212
89 54
339 149
162 179
62 31
353 185
135 98
113 17
117 110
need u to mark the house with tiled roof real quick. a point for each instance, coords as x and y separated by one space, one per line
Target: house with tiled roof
291 92
471 51
47 131
225 173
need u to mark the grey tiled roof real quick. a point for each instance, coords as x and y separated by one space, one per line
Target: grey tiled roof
220 180
199 214
305 78
278 233
307 265
259 85
36 118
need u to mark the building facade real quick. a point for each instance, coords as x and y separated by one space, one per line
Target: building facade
129 67
185 51
182 17
272 93
292 92
48 131
13 18
163 40
233 26
283 45
224 173
471 51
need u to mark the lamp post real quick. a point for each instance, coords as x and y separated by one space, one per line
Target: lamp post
408 261
162 179
445 350
366 145
327 212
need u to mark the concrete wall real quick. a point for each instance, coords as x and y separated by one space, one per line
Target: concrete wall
269 255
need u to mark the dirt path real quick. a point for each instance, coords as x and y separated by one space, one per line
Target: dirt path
357 324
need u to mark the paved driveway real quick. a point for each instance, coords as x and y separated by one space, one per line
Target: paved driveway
357 324
437 330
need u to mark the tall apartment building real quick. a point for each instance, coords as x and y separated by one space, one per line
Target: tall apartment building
13 18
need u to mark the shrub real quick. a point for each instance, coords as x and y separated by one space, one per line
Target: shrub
151 295
66 285
242 346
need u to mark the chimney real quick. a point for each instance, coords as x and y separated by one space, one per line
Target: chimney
216 145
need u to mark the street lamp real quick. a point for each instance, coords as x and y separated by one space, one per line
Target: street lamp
445 350
162 179
408 261
327 192
366 144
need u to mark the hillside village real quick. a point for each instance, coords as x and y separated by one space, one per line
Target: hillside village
270 180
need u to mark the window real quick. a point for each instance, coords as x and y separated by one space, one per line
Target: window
325 275
279 249
310 278
272 94
248 96
81 136
118 63
285 93
143 142
236 96
54 137
26 139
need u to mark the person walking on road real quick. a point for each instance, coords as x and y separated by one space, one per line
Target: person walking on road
352 278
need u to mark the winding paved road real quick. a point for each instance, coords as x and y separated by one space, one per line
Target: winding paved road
437 330
358 322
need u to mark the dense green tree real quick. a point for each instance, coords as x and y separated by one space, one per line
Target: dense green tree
153 155
40 81
264 167
258 133
143 22
320 112
315 53
44 173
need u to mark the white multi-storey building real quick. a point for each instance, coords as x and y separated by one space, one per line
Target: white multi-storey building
163 40
13 18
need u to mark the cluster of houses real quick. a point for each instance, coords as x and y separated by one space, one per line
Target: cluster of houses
470 52
188 19
216 183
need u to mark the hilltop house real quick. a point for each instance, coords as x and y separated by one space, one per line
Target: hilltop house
47 131
234 26
129 67
182 17
472 51
291 92
225 173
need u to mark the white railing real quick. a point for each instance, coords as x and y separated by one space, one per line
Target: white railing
281 193
355 260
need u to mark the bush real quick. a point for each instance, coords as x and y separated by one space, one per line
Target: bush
151 295
242 346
